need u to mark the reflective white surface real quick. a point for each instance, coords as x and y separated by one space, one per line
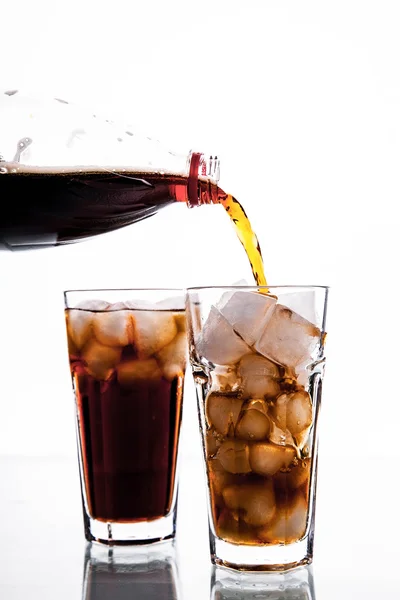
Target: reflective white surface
43 554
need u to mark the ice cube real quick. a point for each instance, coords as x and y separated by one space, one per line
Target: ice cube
256 501
79 326
303 303
234 456
224 379
152 331
219 478
172 357
131 372
232 528
254 365
246 312
295 477
288 339
100 360
293 411
117 306
281 437
257 404
213 442
142 304
173 303
289 524
222 411
114 327
258 377
268 459
176 307
303 376
302 440
80 320
218 342
253 424
93 305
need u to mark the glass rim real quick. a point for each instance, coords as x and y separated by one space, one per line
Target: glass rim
138 289
258 287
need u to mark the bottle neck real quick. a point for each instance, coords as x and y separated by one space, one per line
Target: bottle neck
203 175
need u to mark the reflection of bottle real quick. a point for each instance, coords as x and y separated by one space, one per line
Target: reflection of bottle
291 585
125 573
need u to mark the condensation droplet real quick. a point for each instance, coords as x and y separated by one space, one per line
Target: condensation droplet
119 139
22 145
76 134
3 170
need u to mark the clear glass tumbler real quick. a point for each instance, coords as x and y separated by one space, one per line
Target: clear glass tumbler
257 356
127 353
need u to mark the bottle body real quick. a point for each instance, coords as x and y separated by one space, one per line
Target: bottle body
56 182
51 208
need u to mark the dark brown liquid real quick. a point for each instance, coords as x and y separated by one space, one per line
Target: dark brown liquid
54 208
129 440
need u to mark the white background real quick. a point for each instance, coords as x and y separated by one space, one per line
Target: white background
301 102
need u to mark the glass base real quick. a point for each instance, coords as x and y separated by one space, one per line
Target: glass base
261 558
295 584
146 532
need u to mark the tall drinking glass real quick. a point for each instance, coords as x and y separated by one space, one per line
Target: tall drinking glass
127 353
257 356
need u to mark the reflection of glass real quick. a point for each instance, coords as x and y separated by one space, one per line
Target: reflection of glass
297 584
258 360
127 352
128 573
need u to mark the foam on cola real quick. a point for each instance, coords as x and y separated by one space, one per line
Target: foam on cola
127 364
258 400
